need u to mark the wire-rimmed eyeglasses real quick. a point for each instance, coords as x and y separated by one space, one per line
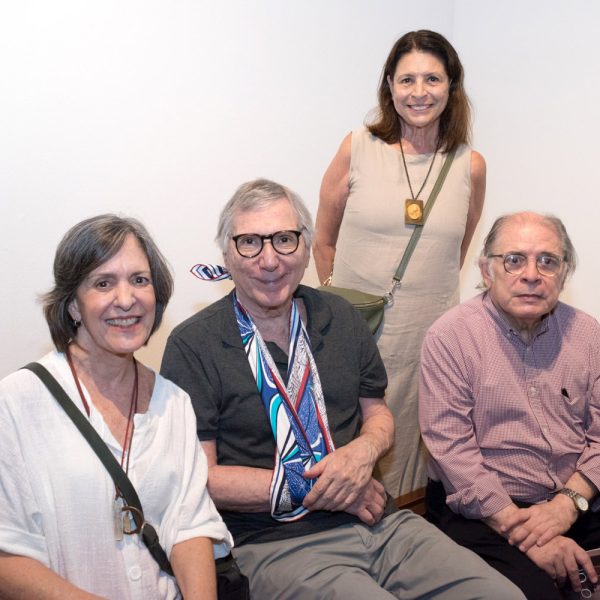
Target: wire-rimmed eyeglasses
250 245
514 263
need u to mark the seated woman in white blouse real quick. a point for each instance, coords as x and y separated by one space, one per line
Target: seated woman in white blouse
59 537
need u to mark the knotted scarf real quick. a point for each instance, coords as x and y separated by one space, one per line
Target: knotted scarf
208 272
296 412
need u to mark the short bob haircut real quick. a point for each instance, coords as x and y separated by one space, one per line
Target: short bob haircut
455 121
569 255
84 248
255 195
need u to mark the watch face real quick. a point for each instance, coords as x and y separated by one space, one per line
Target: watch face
582 503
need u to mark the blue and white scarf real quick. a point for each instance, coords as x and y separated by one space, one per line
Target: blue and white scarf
296 412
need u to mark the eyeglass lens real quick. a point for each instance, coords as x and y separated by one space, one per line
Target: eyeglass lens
250 245
547 264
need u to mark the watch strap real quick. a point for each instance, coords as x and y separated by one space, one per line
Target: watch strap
580 502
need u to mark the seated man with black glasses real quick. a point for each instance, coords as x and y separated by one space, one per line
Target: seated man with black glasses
509 405
288 388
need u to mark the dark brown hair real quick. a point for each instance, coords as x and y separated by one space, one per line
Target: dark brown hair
455 121
84 248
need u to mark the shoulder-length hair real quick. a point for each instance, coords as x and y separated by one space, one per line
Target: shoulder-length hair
455 121
84 248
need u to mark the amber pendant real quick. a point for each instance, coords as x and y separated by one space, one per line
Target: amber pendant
133 519
413 212
118 518
128 526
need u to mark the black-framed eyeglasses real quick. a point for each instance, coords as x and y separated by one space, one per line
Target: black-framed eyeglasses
250 245
515 263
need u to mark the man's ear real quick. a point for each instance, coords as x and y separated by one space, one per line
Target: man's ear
485 270
562 283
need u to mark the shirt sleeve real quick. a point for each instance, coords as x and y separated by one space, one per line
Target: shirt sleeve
589 461
21 527
445 407
373 377
194 513
182 365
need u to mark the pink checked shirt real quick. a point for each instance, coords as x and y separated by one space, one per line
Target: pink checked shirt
504 419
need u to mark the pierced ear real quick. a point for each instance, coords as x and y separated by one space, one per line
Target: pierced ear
73 310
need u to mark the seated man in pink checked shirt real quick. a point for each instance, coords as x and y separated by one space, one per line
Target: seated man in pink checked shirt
509 410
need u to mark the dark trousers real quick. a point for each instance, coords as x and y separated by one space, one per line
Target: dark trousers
474 534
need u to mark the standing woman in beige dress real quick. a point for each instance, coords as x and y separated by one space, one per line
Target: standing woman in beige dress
362 222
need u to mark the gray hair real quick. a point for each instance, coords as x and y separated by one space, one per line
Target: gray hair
85 247
258 194
568 250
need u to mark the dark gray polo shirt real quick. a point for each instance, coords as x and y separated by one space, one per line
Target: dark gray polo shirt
206 357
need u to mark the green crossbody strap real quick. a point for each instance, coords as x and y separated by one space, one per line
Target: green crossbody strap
416 234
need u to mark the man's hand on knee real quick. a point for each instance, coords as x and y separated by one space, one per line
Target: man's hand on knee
342 477
370 504
507 520
544 522
561 558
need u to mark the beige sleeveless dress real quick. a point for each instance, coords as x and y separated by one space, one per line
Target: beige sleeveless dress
371 242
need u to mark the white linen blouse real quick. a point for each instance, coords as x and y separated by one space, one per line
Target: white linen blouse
57 497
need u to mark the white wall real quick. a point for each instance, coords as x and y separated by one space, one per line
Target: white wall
160 109
532 69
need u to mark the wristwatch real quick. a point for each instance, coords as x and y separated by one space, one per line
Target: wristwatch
581 504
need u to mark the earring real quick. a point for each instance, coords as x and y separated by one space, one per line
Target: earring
76 323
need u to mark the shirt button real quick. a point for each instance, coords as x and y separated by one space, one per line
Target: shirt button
533 390
135 573
545 429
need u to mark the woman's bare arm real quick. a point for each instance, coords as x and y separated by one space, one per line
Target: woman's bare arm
28 579
478 173
332 202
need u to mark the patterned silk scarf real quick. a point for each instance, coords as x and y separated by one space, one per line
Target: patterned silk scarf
296 412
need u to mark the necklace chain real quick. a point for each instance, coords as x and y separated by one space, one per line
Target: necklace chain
133 404
408 177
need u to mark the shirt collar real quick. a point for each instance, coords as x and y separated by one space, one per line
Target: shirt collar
507 328
319 316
